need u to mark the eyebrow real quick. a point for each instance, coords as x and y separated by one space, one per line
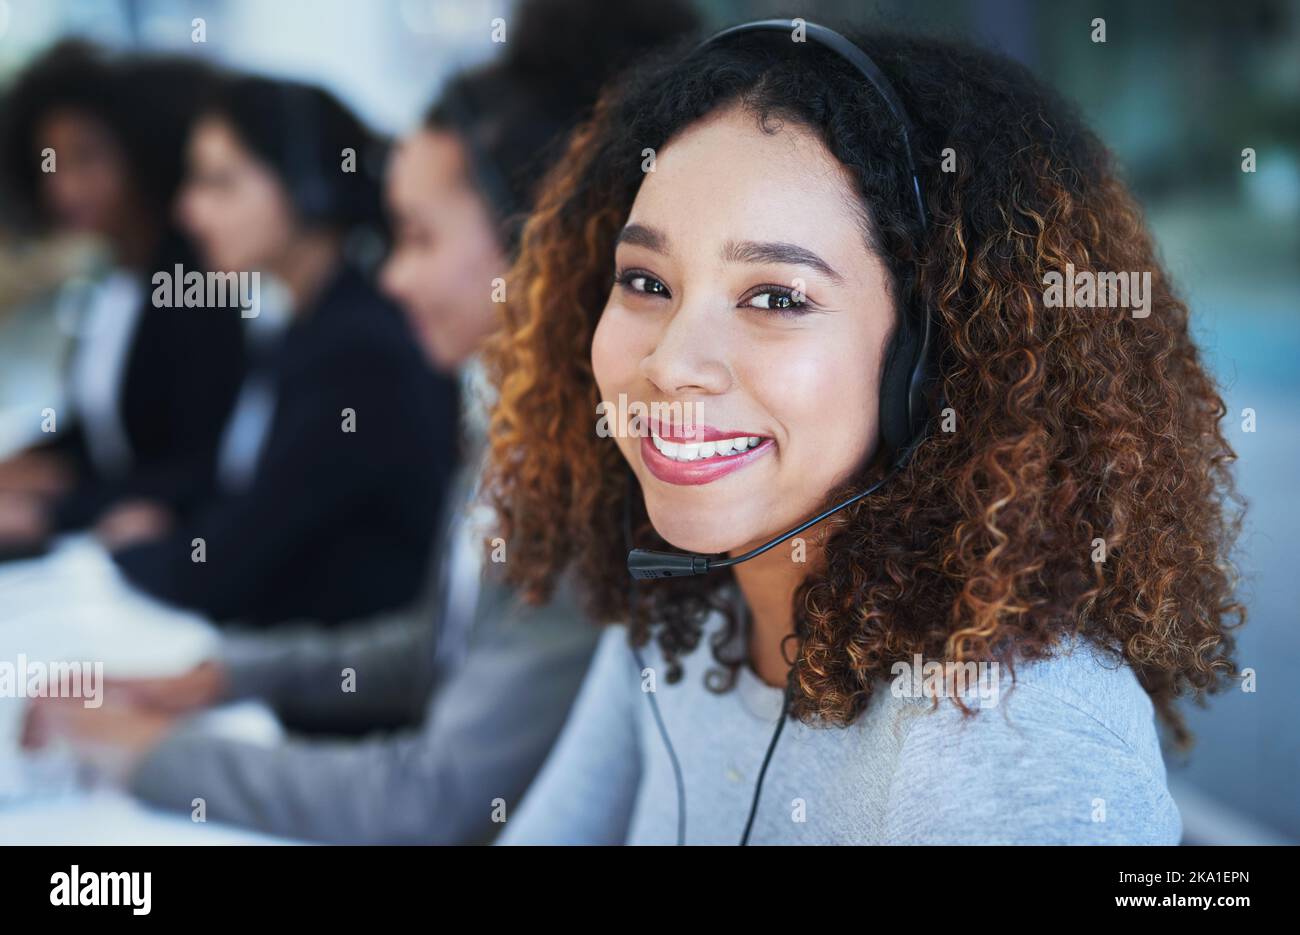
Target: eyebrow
751 251
743 251
638 235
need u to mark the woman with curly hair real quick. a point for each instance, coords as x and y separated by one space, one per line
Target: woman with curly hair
735 233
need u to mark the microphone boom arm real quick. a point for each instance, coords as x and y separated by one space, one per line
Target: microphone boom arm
646 564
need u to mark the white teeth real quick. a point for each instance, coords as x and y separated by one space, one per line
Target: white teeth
698 451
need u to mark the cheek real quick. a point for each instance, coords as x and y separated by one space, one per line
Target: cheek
247 240
456 287
615 359
106 186
260 218
613 355
825 400
276 220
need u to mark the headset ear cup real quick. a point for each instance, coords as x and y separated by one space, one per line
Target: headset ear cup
314 197
896 404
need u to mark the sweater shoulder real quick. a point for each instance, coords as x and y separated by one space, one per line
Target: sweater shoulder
1094 685
1064 750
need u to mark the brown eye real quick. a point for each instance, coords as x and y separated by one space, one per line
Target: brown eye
646 284
777 300
638 281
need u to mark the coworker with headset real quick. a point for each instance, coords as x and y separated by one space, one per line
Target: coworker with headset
898 458
333 466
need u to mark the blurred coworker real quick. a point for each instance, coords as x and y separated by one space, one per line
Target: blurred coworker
334 463
497 686
91 146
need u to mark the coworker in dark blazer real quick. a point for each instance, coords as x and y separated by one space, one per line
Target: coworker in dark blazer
179 380
335 461
332 524
160 388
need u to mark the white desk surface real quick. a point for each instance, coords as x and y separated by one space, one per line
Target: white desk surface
72 605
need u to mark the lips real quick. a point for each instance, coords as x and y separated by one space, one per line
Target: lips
693 433
700 454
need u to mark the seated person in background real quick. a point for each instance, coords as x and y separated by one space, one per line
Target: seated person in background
493 679
148 388
332 468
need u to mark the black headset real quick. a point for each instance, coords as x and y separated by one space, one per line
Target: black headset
314 198
909 368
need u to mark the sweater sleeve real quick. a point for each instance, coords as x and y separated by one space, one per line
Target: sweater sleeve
1035 769
485 736
587 789
298 669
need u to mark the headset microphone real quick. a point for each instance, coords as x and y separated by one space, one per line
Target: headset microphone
649 564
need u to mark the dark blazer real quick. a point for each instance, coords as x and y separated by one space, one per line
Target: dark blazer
332 525
182 374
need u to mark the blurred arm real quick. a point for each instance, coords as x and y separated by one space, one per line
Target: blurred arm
298 669
486 733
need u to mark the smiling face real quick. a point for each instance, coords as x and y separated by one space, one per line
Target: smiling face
745 293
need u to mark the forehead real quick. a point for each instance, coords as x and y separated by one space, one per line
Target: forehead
434 155
66 119
428 163
730 177
213 133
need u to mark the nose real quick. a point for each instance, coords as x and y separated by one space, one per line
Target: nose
690 355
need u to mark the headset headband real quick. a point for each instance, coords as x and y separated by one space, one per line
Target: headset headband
861 62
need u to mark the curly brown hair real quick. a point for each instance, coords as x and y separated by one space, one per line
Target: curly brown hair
1071 425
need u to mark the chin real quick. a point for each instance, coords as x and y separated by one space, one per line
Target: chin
220 264
440 359
698 530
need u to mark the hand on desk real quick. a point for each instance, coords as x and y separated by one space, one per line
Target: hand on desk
133 521
112 738
24 517
137 714
201 687
35 474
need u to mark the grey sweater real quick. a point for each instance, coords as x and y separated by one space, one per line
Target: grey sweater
1069 756
488 679
490 714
